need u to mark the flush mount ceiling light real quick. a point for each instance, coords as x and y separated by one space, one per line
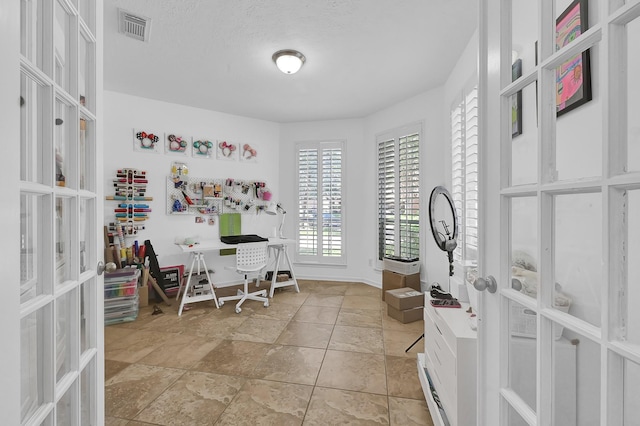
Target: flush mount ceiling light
288 61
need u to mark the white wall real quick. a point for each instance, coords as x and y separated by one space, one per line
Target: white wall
361 178
123 113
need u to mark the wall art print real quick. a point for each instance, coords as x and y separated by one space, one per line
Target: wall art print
203 148
248 154
226 150
573 78
177 144
516 101
146 141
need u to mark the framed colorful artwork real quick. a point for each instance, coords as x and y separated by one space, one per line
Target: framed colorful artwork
145 141
516 101
573 78
177 144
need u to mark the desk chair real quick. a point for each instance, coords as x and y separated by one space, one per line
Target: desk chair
250 257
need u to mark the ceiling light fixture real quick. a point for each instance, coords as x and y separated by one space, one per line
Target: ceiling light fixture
288 61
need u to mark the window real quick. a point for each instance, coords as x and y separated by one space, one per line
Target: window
464 175
399 193
320 226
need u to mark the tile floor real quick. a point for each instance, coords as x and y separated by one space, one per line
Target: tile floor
328 355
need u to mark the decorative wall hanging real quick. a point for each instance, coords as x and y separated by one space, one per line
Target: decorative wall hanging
226 150
573 78
177 144
145 141
202 148
248 153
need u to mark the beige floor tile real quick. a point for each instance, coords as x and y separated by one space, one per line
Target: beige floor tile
114 421
131 390
135 346
292 364
330 288
357 339
113 333
361 289
393 324
317 314
289 296
340 407
354 371
276 311
328 300
396 342
402 378
407 412
111 368
262 402
259 330
181 351
231 357
360 317
194 399
306 334
361 302
216 324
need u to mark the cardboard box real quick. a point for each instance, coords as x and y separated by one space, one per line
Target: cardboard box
404 298
406 316
393 280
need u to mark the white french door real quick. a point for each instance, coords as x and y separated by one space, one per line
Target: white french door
559 341
55 341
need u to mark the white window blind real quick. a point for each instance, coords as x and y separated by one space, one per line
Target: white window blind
399 195
464 175
320 202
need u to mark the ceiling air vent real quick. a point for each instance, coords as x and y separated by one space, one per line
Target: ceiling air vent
134 26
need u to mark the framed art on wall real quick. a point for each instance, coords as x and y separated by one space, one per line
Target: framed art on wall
516 101
573 78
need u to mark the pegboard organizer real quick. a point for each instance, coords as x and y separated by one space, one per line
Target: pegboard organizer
206 196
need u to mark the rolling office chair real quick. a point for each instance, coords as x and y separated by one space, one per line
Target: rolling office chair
250 257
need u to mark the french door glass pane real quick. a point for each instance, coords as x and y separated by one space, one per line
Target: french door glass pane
63 59
31 238
632 301
631 392
87 294
525 33
65 409
514 418
633 100
63 134
86 231
31 117
522 352
524 138
86 54
87 395
86 13
564 378
63 239
31 362
578 255
86 151
524 244
65 309
579 395
32 32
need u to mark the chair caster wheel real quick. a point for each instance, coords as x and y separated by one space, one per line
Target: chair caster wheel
266 304
238 310
220 303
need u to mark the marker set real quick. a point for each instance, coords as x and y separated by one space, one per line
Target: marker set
130 187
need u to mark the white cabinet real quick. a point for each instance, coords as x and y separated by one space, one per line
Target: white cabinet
448 365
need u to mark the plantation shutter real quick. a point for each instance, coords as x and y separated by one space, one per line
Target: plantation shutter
332 202
471 175
307 202
386 198
409 195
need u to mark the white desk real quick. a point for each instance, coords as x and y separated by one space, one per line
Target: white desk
278 245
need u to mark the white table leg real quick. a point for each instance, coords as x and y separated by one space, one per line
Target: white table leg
274 284
186 287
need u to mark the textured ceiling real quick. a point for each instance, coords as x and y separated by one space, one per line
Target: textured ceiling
362 55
